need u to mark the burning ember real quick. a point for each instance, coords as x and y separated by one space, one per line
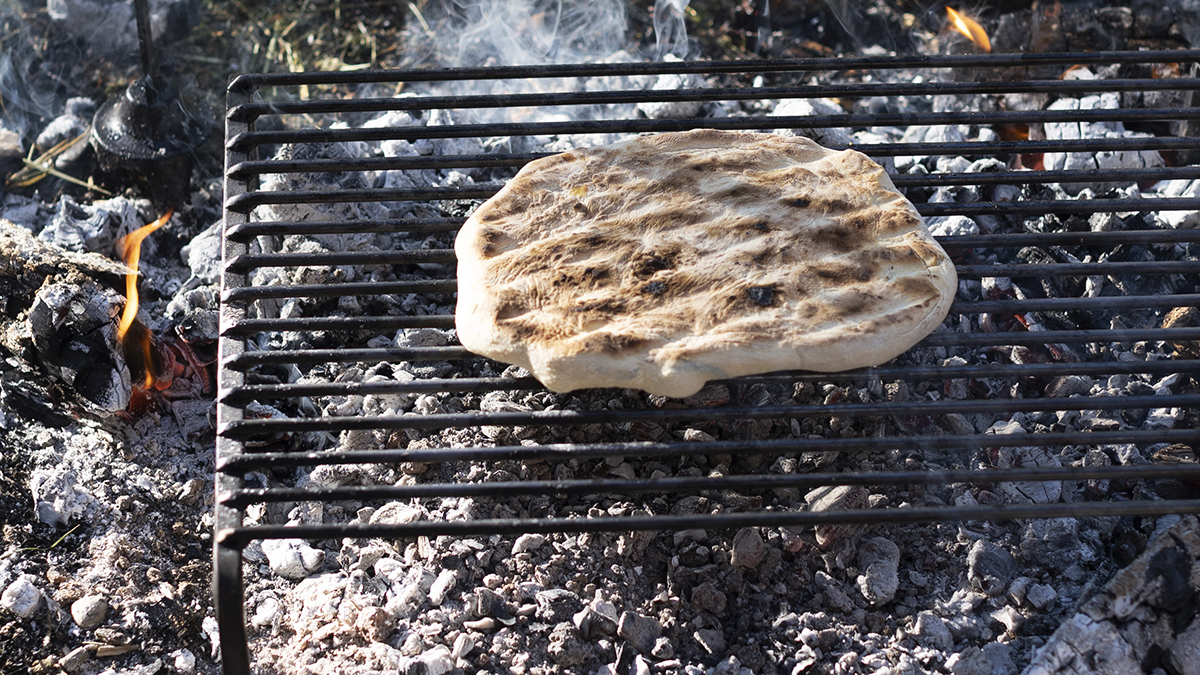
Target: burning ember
129 248
970 28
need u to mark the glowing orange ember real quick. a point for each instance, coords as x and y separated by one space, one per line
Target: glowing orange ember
970 28
129 248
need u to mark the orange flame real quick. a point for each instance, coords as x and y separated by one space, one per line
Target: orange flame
970 28
129 248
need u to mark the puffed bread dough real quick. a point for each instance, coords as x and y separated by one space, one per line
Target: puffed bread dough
666 261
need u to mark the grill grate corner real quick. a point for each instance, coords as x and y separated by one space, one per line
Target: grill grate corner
280 335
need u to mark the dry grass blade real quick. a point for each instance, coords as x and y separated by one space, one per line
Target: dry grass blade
37 169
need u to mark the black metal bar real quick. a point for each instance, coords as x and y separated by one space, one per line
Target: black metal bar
1038 177
1037 337
412 133
687 484
424 286
250 428
1081 206
989 148
244 232
635 96
228 593
1087 238
351 323
249 169
568 451
378 355
246 202
1097 304
251 261
1011 338
262 392
376 323
1020 270
461 528
250 81
141 11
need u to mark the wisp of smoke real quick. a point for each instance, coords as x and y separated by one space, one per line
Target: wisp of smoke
526 32
670 33
24 102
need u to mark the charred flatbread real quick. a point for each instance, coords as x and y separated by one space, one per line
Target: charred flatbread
666 261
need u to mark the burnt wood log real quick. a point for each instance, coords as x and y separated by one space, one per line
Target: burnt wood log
1145 618
26 262
61 313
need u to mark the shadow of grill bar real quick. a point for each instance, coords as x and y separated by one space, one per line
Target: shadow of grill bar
251 440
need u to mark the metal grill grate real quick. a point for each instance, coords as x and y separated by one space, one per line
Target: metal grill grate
249 442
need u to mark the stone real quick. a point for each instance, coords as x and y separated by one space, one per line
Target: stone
89 611
1009 618
664 649
73 661
835 597
435 661
483 625
556 605
375 624
640 631
748 548
442 585
952 226
879 557
567 647
836 498
21 597
463 644
989 567
706 597
712 640
1069 385
184 661
292 558
1041 596
528 542
932 632
970 661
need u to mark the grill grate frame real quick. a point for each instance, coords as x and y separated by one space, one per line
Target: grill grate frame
237 357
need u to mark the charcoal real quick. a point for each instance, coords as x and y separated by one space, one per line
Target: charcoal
990 567
73 333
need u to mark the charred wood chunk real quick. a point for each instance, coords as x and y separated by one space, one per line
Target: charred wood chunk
73 329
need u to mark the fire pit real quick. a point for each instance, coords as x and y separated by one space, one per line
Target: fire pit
1059 386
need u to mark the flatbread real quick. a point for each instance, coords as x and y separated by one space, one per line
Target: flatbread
666 261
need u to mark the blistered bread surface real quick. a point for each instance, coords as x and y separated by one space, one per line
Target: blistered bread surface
666 261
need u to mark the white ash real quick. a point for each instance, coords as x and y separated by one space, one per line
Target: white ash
94 227
75 121
10 144
1103 159
671 81
807 107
